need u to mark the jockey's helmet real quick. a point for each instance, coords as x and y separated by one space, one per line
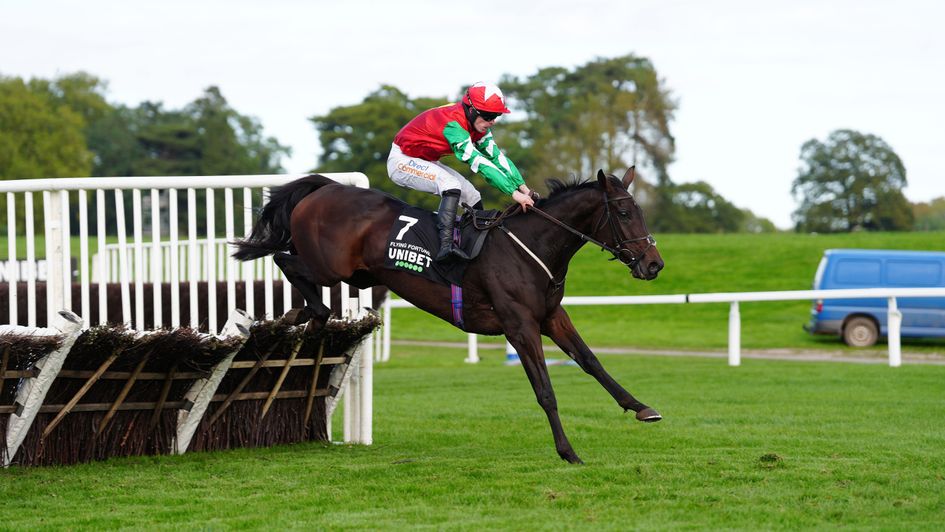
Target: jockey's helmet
486 98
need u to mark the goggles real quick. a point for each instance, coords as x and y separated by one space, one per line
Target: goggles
487 116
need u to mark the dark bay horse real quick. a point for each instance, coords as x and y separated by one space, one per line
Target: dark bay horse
321 232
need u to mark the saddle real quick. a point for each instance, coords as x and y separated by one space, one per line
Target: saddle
413 242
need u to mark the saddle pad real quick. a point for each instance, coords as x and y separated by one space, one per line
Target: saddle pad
412 244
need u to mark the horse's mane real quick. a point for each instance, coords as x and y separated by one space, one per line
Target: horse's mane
559 187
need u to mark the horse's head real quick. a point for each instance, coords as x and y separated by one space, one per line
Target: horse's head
623 228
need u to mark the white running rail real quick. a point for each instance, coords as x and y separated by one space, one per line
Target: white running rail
894 316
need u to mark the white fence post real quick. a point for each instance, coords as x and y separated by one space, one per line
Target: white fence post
11 256
193 258
55 291
157 263
352 395
123 271
893 338
138 232
472 349
734 335
365 301
385 331
102 259
511 355
30 260
210 259
66 258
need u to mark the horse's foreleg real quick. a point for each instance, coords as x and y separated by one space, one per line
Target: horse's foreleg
559 328
298 275
527 343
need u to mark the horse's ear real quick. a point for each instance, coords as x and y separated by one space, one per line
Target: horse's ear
628 177
602 179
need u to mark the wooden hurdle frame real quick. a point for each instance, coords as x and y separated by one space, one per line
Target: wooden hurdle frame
194 406
355 383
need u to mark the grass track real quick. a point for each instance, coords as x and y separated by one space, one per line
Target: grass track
770 445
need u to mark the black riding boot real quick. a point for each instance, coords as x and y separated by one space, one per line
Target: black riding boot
445 218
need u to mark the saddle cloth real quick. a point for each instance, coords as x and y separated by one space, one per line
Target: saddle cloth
413 242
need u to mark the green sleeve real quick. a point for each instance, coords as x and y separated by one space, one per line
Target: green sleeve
488 146
497 170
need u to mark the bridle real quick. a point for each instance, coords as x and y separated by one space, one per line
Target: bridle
619 250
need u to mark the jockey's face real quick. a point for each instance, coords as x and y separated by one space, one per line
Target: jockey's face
481 124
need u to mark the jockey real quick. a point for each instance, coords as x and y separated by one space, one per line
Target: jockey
463 129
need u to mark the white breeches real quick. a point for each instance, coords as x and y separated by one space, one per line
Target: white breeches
428 176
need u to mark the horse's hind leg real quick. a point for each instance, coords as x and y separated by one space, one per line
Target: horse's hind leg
559 328
298 274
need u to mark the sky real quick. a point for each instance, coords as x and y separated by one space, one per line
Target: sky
753 80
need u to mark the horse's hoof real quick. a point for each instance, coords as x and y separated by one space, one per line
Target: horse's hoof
648 415
572 458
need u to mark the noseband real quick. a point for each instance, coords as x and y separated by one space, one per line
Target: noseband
619 250
620 243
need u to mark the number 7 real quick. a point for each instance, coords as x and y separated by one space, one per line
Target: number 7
410 223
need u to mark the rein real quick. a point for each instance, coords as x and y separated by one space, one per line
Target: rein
618 251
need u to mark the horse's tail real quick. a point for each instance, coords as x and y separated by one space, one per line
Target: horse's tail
270 234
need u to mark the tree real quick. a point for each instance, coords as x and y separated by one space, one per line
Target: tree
66 127
169 141
930 216
607 114
81 92
230 143
752 223
113 139
207 137
39 137
107 128
851 181
697 208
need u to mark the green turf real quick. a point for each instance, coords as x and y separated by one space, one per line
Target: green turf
769 445
699 264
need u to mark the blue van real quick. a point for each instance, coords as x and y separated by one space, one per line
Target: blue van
860 322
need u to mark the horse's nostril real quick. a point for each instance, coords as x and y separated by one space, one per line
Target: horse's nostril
655 267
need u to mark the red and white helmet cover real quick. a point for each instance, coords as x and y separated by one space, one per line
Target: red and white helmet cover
486 97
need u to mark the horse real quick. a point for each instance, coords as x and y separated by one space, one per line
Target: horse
321 232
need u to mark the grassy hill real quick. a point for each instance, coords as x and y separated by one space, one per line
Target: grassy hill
696 264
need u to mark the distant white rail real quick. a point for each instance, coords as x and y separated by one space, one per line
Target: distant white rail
894 316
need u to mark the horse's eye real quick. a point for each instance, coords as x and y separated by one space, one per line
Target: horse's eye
623 214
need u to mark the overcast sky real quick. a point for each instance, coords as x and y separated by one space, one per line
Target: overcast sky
754 80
